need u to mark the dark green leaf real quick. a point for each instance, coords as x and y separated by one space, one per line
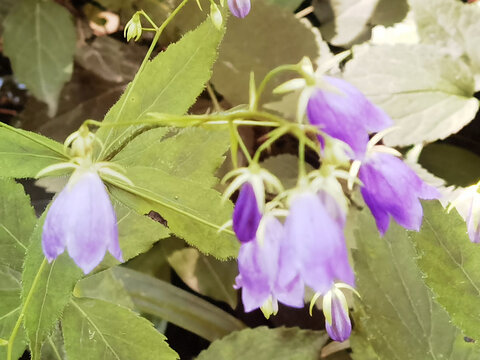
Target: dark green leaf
159 298
262 343
398 317
39 39
95 329
451 264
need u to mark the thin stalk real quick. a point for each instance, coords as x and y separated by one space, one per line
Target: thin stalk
274 136
13 335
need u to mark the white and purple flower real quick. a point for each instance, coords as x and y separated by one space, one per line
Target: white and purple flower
346 114
239 8
391 188
82 220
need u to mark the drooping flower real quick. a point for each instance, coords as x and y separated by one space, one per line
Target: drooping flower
265 271
346 114
335 309
391 188
239 8
246 215
82 219
317 243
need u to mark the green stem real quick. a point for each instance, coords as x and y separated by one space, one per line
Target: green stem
243 146
149 20
213 97
268 78
274 136
13 335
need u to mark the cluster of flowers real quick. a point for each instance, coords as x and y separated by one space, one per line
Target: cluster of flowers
277 260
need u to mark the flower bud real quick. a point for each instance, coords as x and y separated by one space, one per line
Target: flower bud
133 29
239 8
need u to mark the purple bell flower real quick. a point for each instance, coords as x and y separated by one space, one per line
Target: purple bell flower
246 215
239 8
337 323
265 271
346 115
317 243
82 219
391 188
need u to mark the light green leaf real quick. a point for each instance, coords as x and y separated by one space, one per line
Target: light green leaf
95 329
170 83
193 212
104 286
451 264
255 44
24 153
204 274
262 343
54 348
53 289
193 153
451 25
428 94
455 165
39 39
161 299
17 220
398 317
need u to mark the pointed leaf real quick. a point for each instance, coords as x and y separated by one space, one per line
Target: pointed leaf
183 68
262 343
96 329
39 39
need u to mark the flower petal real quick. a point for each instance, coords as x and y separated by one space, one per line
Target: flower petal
246 215
239 8
341 326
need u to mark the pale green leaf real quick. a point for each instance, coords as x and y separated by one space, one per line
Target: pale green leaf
53 289
451 264
192 211
161 299
104 286
54 348
451 25
268 37
204 274
398 317
39 39
170 83
24 153
455 165
17 220
94 329
262 343
193 153
428 94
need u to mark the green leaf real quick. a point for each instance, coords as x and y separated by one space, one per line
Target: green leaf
262 343
17 220
291 5
193 153
54 348
428 94
161 299
451 264
204 274
192 211
95 329
451 25
183 68
455 165
39 39
5 7
24 153
254 44
104 286
389 12
54 283
398 317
